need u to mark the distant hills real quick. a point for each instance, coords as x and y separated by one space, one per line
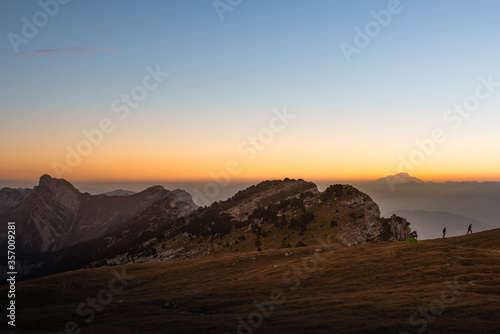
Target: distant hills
430 224
55 214
477 200
401 178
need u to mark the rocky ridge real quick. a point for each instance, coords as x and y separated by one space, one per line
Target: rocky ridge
56 215
75 230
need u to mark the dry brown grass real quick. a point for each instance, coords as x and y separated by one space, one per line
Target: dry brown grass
362 289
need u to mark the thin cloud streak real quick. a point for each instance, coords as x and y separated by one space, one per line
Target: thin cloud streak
72 51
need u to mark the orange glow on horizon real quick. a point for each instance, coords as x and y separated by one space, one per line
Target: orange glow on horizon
191 176
154 164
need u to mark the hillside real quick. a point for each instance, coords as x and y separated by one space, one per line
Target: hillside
371 288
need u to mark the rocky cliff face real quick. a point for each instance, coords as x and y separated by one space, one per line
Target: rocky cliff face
10 197
366 224
374 229
56 215
245 202
271 214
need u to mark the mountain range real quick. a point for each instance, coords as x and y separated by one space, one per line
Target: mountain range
60 228
317 261
55 214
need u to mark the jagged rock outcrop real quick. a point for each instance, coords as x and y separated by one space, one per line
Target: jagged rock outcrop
184 202
374 229
366 224
56 215
241 205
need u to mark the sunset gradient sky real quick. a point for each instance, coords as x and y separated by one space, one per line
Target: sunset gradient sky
229 79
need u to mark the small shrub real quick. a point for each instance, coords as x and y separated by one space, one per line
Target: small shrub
300 244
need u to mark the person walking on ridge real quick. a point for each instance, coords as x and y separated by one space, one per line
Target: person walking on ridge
444 232
469 230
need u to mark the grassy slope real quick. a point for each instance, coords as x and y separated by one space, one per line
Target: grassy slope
363 289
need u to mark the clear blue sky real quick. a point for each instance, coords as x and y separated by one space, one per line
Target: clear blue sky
225 77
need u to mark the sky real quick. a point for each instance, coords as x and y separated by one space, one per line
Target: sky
193 90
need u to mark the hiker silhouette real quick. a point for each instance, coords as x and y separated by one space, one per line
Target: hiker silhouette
444 232
469 230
